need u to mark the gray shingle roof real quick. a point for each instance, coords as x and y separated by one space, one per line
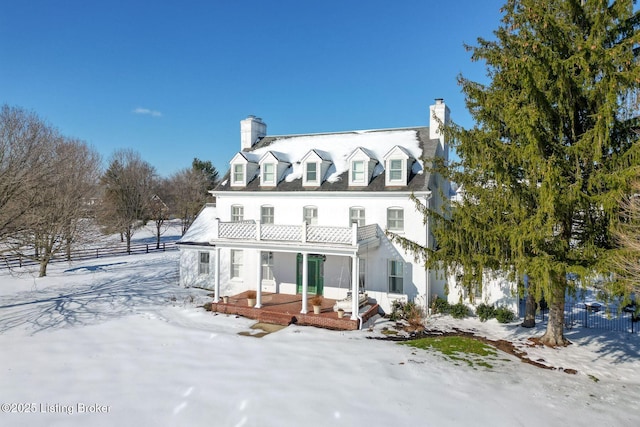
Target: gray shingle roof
416 182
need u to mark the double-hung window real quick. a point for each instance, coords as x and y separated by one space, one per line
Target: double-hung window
237 213
203 263
395 170
268 174
395 219
236 263
267 265
395 276
357 172
362 273
266 214
238 174
311 172
310 215
356 215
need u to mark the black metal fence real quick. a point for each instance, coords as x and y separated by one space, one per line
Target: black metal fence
13 261
597 316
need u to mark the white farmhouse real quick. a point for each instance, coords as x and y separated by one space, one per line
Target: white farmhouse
307 214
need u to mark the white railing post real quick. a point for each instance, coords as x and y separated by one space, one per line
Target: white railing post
259 281
354 233
303 237
355 297
258 231
305 282
216 275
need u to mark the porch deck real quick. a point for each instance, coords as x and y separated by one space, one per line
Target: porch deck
282 309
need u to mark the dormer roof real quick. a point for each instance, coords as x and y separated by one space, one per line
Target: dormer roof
398 151
243 157
319 155
273 156
339 149
361 151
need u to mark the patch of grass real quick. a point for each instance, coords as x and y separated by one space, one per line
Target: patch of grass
453 344
458 349
594 378
389 332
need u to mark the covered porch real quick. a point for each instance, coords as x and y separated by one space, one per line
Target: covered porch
283 309
256 245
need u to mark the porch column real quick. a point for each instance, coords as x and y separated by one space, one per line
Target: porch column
355 306
216 276
305 281
259 280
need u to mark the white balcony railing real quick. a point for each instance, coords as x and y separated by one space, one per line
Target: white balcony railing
253 230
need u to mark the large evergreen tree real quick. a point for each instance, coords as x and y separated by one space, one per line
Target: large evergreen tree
551 153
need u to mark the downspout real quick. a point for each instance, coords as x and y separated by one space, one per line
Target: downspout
357 277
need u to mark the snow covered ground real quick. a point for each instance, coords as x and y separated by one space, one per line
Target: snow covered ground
115 341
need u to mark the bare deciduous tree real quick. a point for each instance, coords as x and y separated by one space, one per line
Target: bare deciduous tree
628 237
188 195
57 221
188 190
158 210
128 187
25 149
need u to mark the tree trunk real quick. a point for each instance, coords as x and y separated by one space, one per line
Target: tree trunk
43 266
529 312
158 225
127 235
68 249
554 336
67 240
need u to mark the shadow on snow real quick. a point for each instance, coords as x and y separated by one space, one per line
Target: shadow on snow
92 298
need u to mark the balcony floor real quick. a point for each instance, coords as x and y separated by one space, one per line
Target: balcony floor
282 309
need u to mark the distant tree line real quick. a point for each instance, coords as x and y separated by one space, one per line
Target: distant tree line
53 189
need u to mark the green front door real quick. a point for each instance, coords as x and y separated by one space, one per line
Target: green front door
315 273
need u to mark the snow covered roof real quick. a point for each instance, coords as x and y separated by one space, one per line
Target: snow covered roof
201 231
336 148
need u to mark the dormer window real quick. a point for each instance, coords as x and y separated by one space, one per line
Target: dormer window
396 170
314 167
272 165
397 164
238 174
311 172
357 172
361 163
243 169
268 174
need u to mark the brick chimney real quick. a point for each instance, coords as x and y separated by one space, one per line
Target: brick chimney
251 130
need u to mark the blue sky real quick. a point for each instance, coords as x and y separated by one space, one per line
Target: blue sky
173 79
